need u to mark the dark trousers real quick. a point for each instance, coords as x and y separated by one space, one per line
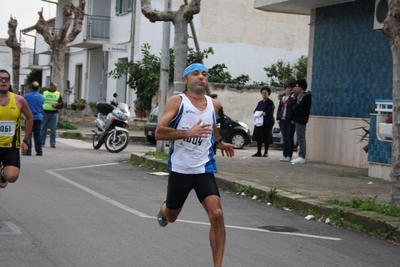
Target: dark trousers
287 130
36 132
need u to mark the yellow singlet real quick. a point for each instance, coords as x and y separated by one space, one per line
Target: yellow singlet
10 124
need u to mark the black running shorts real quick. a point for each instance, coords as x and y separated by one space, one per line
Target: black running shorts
180 185
10 157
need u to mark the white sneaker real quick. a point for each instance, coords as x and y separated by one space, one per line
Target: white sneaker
282 159
299 160
285 159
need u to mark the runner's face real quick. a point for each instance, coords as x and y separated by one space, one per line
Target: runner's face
4 83
196 81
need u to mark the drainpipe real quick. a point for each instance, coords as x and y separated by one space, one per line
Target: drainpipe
132 41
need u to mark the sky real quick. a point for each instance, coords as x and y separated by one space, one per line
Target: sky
26 13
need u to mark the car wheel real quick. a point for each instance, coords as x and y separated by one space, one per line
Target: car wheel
151 140
237 139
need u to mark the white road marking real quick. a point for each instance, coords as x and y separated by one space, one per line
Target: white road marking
142 215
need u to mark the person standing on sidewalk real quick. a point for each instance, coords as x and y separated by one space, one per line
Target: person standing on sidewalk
35 101
301 110
189 122
11 107
264 111
52 103
284 116
220 117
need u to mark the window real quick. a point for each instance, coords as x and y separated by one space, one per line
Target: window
123 6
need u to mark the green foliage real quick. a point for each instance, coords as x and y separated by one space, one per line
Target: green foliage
281 73
219 75
300 69
65 125
143 76
34 75
369 205
158 155
365 135
92 106
79 102
272 193
247 190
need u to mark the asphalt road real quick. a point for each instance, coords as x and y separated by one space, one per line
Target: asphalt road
77 206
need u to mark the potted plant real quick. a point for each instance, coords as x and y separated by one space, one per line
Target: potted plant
139 107
73 106
80 104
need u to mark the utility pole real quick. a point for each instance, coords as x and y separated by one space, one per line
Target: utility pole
164 71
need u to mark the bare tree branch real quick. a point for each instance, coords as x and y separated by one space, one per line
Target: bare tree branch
42 28
15 46
154 15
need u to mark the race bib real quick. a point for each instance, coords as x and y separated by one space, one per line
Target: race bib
195 144
7 128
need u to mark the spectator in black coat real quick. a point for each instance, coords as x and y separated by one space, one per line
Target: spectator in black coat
301 110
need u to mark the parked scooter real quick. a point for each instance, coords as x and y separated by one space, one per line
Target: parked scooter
111 123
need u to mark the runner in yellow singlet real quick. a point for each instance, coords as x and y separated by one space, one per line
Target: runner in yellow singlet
11 107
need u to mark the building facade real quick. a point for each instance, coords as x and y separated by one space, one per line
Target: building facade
350 66
245 39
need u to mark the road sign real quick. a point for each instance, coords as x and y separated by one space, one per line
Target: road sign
115 48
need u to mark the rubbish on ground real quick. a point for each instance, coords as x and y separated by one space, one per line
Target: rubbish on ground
309 217
370 183
243 194
254 197
327 220
158 173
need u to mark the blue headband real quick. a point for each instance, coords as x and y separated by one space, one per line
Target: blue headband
194 67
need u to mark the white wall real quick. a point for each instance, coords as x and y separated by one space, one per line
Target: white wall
245 39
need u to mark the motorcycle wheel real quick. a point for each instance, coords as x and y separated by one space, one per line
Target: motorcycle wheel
96 142
116 142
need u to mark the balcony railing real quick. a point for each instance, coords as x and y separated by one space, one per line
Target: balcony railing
98 26
384 107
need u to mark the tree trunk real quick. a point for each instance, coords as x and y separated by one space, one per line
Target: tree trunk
180 18
58 65
12 42
181 50
392 29
71 15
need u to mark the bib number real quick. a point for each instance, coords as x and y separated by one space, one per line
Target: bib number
7 128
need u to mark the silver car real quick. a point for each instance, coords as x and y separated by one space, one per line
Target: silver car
277 136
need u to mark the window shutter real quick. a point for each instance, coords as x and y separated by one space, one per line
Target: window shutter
129 5
118 7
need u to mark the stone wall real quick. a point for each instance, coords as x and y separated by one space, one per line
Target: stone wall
239 101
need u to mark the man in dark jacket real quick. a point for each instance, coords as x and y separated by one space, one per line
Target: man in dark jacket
284 117
301 110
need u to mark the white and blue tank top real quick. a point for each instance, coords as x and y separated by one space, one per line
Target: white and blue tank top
192 155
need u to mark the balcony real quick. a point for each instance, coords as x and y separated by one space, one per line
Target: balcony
299 7
95 32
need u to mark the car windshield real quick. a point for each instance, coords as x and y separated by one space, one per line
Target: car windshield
153 117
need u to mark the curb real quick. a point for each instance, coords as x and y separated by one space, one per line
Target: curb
89 136
372 222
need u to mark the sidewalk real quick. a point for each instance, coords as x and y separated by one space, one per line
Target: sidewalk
304 187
